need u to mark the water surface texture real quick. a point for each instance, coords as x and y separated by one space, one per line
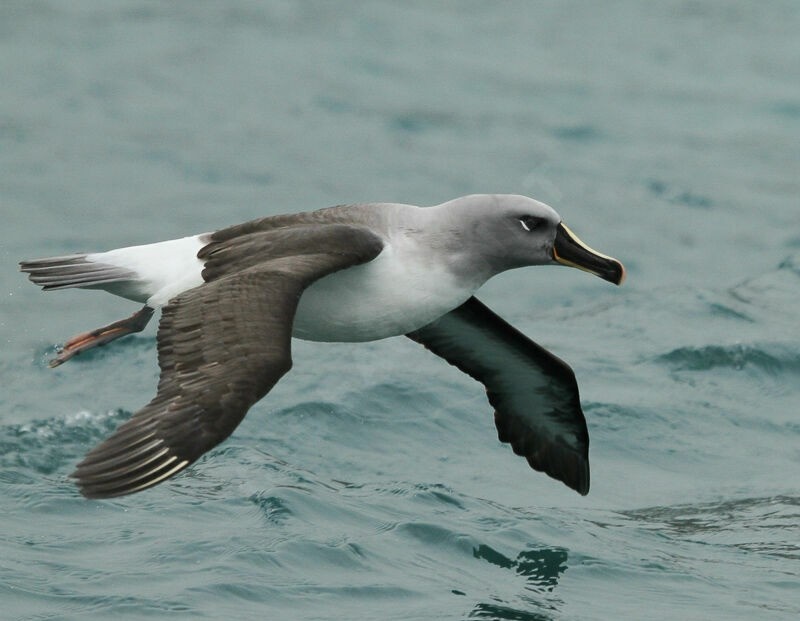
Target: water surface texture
370 483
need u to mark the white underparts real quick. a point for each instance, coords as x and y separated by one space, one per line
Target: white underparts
399 291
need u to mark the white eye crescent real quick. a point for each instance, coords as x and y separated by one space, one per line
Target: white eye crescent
529 222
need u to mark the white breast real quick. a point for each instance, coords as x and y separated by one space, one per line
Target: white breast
398 292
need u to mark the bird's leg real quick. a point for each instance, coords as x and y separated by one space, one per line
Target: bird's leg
86 340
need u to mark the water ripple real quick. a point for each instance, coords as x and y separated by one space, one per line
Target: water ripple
766 526
771 359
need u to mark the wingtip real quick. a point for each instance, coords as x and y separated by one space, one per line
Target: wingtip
97 488
583 486
117 469
572 470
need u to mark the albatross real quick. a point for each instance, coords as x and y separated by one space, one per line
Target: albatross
232 300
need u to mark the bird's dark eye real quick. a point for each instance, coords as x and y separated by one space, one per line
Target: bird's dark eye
530 222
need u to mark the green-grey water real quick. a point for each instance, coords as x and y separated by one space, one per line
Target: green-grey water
370 483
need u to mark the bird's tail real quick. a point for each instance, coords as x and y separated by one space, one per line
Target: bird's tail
75 270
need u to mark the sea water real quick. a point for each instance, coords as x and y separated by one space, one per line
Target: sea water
370 483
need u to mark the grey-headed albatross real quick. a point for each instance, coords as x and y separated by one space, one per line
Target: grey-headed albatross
231 300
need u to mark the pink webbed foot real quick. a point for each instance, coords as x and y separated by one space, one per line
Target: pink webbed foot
94 338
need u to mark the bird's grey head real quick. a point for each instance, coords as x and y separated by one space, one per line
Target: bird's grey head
505 231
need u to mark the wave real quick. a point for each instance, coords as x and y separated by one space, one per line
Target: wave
772 359
45 446
763 525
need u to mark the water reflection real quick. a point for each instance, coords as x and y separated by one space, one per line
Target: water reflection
495 611
541 569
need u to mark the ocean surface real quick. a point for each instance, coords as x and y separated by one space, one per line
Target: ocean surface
370 483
